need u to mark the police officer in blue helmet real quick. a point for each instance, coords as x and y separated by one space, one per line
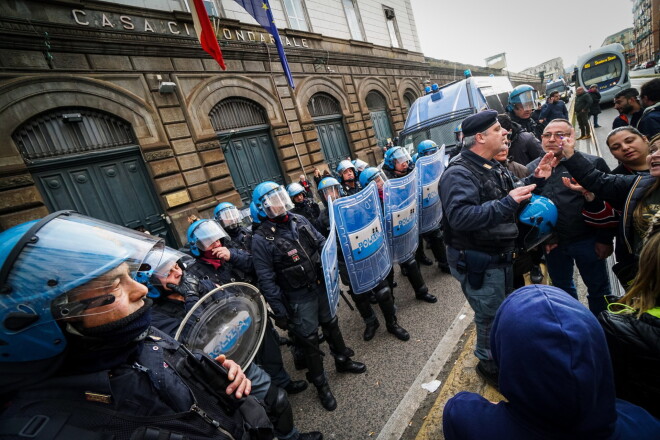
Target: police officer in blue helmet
287 258
79 356
434 238
229 217
397 162
303 205
522 101
347 176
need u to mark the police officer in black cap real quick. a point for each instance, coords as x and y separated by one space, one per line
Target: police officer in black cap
479 224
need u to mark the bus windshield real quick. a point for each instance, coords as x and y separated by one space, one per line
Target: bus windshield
601 69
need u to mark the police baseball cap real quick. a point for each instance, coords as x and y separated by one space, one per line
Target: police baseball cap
479 122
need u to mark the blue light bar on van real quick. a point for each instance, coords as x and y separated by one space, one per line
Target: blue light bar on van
434 87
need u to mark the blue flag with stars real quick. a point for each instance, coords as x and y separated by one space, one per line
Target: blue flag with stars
260 10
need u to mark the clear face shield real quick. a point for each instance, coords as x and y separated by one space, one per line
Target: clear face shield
207 233
360 165
276 203
380 179
401 159
526 100
246 217
78 266
230 218
333 191
167 270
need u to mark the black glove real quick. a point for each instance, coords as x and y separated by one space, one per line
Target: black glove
282 322
189 285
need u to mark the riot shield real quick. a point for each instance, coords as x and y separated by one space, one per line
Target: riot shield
329 263
229 320
401 216
360 229
430 168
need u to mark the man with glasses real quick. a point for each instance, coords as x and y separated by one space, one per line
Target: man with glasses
574 241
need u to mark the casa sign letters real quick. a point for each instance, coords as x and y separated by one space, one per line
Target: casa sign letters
103 20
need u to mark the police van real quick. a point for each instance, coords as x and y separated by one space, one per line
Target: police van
438 114
558 85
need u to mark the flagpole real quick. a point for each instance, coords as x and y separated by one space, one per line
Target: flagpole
286 119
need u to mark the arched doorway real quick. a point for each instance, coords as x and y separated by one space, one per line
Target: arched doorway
408 98
244 132
89 161
326 113
380 118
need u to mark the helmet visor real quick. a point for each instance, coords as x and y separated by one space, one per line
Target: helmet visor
526 99
400 156
207 233
333 191
229 217
379 178
360 165
78 266
276 202
167 270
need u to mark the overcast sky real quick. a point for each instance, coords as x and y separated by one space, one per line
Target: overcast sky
530 32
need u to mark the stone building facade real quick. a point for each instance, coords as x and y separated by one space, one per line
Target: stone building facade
646 29
90 119
552 69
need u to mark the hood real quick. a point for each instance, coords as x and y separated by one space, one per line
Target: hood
650 108
554 363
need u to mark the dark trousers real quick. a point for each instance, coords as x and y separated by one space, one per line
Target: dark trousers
583 122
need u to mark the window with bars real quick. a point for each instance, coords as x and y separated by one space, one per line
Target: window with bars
234 113
295 13
353 19
322 104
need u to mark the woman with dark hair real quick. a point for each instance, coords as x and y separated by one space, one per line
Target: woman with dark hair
638 196
633 334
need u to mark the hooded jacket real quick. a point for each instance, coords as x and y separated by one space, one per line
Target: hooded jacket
649 122
556 375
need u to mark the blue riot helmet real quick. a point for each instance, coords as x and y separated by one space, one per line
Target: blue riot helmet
540 217
168 269
330 187
427 148
202 234
415 157
525 95
65 266
458 133
227 215
271 199
342 167
395 158
360 165
294 189
372 174
254 213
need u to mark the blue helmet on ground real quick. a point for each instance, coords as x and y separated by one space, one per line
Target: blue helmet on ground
329 186
525 95
427 148
372 174
202 234
540 217
271 200
227 215
395 155
294 189
57 268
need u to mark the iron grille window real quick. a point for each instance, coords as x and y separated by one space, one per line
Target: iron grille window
233 113
376 101
67 131
322 104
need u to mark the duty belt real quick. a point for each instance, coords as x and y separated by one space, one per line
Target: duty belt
501 258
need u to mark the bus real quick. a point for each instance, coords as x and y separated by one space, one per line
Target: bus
606 67
436 115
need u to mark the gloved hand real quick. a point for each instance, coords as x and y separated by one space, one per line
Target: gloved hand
189 285
282 322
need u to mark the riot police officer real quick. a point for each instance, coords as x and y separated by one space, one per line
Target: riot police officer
434 237
229 218
79 358
479 225
522 101
347 175
302 205
398 163
329 186
286 250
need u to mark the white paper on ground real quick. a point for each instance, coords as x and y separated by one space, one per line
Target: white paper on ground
431 386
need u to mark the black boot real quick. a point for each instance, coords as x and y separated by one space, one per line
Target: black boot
439 251
370 330
296 386
386 303
423 295
341 352
417 282
316 374
314 435
420 256
398 331
328 400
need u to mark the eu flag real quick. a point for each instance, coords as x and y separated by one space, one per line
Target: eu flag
260 10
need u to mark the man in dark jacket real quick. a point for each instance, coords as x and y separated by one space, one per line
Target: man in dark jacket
583 103
629 108
595 104
554 108
562 388
575 242
649 123
523 146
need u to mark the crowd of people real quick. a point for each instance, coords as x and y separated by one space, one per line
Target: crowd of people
90 309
